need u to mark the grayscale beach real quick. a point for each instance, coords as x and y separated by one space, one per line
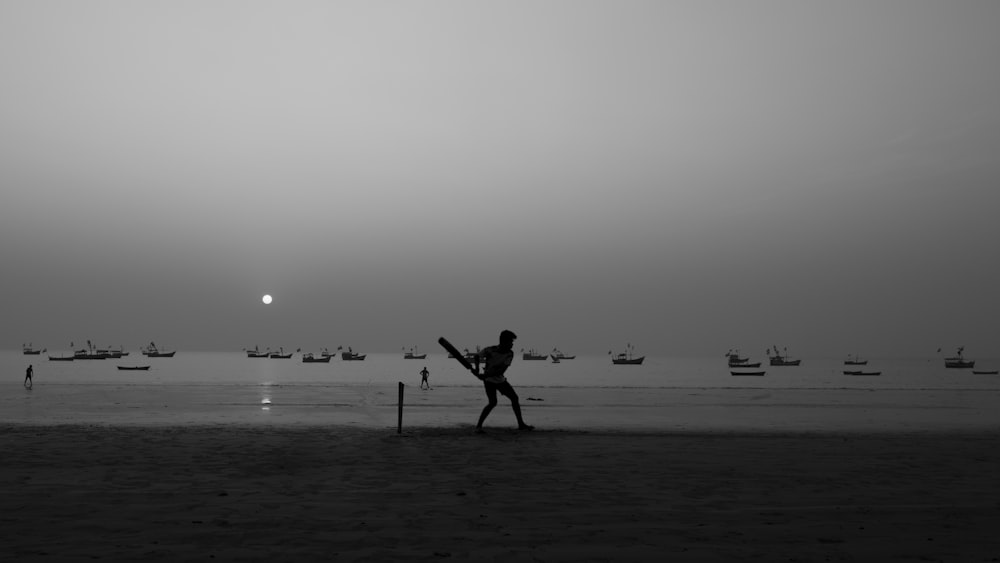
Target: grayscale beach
736 261
279 462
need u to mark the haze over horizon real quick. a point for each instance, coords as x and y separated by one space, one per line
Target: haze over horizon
683 176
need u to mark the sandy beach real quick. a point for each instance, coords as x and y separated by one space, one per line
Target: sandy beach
304 493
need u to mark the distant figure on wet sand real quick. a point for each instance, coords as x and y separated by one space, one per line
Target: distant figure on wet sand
497 359
423 378
27 376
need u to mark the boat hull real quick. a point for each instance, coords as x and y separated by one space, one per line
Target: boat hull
628 362
133 368
751 373
323 360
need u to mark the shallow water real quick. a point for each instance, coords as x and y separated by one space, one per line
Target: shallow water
588 392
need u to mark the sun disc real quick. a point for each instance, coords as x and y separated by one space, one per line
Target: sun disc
266 299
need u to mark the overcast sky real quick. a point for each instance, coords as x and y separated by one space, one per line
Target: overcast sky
685 176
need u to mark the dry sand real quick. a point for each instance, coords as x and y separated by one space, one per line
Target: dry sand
304 493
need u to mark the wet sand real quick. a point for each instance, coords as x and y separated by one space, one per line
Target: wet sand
292 492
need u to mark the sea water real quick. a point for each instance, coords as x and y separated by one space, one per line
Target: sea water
234 368
211 387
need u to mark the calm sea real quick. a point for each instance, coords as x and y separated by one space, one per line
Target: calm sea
234 368
662 393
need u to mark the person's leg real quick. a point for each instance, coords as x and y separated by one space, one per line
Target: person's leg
491 395
515 404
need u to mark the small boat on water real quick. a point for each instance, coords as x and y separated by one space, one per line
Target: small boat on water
555 360
133 368
781 359
350 356
756 373
958 361
256 353
859 372
29 350
855 361
532 354
737 361
152 351
280 354
90 353
557 354
61 358
158 354
626 358
308 358
413 355
986 372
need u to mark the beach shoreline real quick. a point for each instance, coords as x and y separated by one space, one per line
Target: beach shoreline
638 410
255 492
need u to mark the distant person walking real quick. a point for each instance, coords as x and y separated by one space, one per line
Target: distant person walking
497 359
423 378
27 377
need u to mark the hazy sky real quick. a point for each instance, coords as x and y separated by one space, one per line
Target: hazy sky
685 176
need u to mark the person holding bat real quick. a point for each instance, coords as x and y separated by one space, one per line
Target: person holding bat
496 361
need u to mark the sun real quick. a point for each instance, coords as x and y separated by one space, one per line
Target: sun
266 299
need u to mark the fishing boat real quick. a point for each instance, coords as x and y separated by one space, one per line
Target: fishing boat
152 351
28 350
280 354
779 359
557 354
737 361
61 358
855 361
107 353
133 368
626 358
308 358
327 354
532 354
90 353
755 373
986 372
412 355
256 353
958 361
350 356
860 372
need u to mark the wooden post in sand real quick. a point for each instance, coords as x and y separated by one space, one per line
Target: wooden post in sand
399 429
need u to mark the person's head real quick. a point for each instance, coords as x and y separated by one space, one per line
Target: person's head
507 339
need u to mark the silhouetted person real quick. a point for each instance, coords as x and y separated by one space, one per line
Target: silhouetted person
496 361
27 376
423 378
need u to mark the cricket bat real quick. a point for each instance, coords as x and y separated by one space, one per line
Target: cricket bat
458 356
